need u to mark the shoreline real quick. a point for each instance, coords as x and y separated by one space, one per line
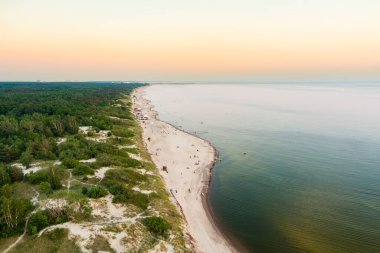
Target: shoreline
223 243
234 244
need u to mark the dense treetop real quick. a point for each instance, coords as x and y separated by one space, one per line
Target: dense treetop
32 114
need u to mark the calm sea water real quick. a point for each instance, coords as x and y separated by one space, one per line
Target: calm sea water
310 178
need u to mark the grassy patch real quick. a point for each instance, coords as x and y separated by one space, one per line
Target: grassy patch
122 131
70 196
6 242
119 141
115 160
55 241
100 244
23 190
126 175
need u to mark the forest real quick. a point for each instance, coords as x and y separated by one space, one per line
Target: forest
32 115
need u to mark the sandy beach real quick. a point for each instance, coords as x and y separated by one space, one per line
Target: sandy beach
189 161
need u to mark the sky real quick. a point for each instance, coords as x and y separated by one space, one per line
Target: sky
192 40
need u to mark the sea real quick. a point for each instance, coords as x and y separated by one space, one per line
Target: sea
300 163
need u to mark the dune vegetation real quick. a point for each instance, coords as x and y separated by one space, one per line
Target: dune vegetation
75 175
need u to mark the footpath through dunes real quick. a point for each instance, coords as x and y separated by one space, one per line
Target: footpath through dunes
184 162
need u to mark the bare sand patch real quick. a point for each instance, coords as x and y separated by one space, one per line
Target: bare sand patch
61 140
33 167
92 160
101 172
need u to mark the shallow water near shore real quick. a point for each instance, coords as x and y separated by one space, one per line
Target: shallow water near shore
300 169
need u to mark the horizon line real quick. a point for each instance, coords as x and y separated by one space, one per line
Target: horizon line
193 82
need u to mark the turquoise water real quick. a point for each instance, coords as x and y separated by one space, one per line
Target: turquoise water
310 178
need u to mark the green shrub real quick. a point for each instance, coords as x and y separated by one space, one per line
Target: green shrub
122 194
139 199
96 192
7 191
56 234
70 163
55 178
45 187
156 225
77 148
119 141
43 219
38 221
122 131
115 160
26 158
111 149
115 187
84 190
38 177
15 174
4 176
126 175
131 150
82 169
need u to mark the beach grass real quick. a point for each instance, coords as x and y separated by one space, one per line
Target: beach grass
54 241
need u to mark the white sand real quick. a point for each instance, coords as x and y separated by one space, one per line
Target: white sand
101 136
61 140
57 163
53 204
104 208
101 172
85 129
145 172
134 156
92 160
142 191
34 167
188 160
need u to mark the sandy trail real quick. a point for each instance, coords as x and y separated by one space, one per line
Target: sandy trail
188 160
69 181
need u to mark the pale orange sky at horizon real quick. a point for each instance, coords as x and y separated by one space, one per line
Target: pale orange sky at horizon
189 40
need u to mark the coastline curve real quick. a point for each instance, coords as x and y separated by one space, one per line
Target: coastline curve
222 242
